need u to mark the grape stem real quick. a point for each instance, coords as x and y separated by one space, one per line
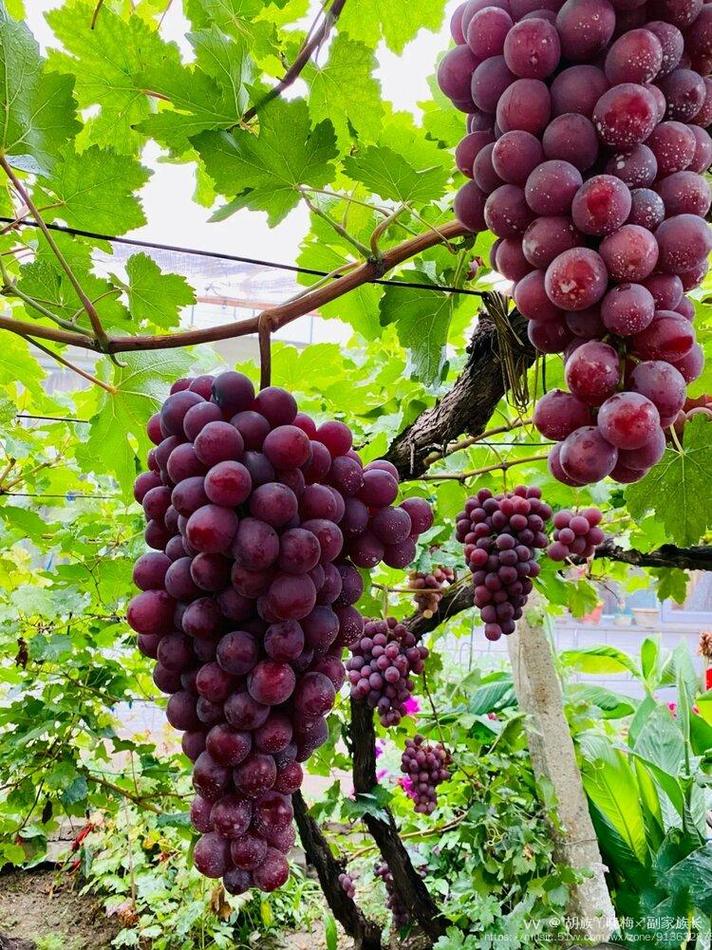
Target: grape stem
425 833
77 369
503 466
339 228
314 40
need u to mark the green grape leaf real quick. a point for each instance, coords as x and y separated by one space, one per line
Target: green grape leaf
108 62
344 89
388 174
155 297
17 363
422 319
44 279
117 434
264 172
211 94
395 23
239 19
38 109
94 190
678 490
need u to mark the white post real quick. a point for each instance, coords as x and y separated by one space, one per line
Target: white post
553 757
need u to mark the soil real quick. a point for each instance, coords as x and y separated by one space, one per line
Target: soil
41 903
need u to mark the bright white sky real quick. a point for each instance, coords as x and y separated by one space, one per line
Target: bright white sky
172 216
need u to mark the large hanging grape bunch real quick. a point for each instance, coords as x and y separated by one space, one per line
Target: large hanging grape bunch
586 146
383 660
247 599
501 534
425 764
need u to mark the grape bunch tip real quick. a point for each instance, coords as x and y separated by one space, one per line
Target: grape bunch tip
586 146
258 519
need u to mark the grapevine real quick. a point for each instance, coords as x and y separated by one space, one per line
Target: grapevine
425 766
256 518
586 146
501 534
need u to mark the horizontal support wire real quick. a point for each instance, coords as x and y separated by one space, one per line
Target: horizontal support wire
222 256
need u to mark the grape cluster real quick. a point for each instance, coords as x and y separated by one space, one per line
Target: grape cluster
346 882
247 599
575 534
380 667
586 143
501 534
432 585
401 916
426 764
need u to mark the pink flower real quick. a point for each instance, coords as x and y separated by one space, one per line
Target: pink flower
381 773
672 707
406 783
380 748
492 716
411 706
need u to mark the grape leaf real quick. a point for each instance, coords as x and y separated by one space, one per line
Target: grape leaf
117 433
38 108
388 174
422 319
155 297
240 19
210 94
94 190
395 23
349 69
264 172
677 489
108 62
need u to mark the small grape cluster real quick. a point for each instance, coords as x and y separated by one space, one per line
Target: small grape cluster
346 882
401 916
586 147
380 667
433 586
501 534
574 533
426 765
247 600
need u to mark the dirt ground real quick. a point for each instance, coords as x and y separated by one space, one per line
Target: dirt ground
39 904
42 906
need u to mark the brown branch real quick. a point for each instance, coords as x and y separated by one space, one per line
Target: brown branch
468 406
99 332
502 466
315 38
667 555
279 316
408 883
365 933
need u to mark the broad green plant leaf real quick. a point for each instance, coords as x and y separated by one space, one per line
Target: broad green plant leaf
598 660
263 172
391 176
155 297
94 190
39 113
396 24
678 489
117 435
422 319
108 63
